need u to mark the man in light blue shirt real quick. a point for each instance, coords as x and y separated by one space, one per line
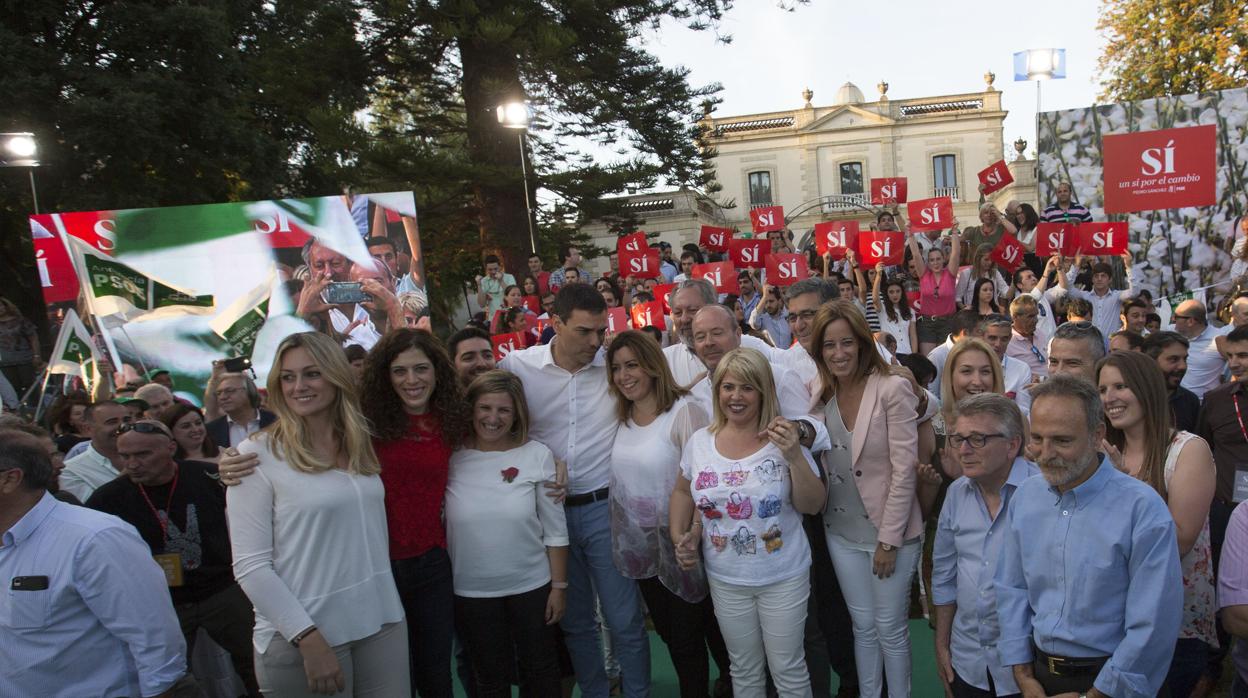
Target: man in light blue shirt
1089 588
87 611
986 441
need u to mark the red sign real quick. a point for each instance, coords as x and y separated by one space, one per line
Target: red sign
875 246
648 314
835 237
1103 238
915 303
56 271
643 264
504 344
617 319
661 294
722 275
533 303
631 244
542 324
1154 170
786 269
888 190
930 214
996 177
715 239
767 219
1057 238
1008 253
748 254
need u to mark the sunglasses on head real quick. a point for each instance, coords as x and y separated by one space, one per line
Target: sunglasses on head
143 428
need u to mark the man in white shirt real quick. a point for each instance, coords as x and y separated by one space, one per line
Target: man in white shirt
803 300
573 414
1028 343
1106 303
997 331
686 300
1205 365
94 467
237 397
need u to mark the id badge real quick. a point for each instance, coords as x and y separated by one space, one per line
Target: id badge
1241 485
171 565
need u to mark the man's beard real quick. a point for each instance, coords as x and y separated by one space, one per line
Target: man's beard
1059 471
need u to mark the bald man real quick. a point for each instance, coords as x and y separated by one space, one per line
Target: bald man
1239 318
1205 365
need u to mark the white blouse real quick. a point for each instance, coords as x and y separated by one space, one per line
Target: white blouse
311 549
499 520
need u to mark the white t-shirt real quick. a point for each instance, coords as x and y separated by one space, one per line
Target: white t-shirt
751 534
499 520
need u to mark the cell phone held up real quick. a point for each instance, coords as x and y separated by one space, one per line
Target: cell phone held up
238 364
343 292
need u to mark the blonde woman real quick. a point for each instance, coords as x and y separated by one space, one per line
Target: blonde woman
745 482
309 536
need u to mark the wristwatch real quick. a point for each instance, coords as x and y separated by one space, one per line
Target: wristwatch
887 548
803 430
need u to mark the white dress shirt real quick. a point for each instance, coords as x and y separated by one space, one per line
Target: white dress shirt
687 367
364 334
1106 309
1017 376
85 472
1205 365
573 414
937 356
239 431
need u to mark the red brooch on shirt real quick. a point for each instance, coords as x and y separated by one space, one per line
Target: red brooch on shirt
510 474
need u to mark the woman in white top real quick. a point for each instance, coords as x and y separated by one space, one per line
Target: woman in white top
893 309
508 543
309 536
1140 440
745 482
982 267
657 417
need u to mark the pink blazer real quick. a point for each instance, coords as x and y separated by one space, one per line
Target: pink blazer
885 453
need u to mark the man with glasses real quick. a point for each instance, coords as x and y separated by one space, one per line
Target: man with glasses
178 508
239 399
1027 342
1205 365
95 466
986 441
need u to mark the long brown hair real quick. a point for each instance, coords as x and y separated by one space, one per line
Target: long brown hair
869 359
650 358
170 416
1143 377
382 405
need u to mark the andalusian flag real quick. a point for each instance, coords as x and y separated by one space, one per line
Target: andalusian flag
112 288
241 322
74 350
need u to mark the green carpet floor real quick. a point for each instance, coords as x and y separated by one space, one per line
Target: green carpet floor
923 685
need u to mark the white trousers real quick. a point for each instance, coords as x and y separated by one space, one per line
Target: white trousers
763 629
374 667
880 610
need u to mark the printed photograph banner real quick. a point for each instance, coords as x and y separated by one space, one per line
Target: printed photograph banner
1185 244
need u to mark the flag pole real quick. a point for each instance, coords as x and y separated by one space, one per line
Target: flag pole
138 354
43 389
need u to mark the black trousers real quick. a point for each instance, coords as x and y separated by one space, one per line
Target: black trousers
687 629
832 614
424 584
228 619
498 631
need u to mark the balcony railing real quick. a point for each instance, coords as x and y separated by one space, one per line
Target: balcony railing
847 202
761 204
951 192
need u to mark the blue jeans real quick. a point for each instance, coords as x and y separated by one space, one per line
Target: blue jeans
590 570
424 584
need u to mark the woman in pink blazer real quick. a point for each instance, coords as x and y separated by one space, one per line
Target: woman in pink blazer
872 521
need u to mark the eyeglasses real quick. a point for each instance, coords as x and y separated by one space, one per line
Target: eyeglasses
806 315
977 441
226 392
1183 317
144 428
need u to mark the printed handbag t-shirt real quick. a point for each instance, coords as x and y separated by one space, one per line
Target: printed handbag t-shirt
751 534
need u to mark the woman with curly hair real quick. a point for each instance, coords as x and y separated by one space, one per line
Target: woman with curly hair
412 399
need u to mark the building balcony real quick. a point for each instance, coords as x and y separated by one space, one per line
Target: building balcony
760 204
951 192
846 202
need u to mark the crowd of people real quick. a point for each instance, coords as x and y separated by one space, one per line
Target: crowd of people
778 482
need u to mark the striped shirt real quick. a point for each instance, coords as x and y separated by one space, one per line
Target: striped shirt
1057 214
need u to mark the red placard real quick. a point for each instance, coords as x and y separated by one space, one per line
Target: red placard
930 214
1008 253
541 326
56 271
617 319
649 314
875 246
1103 238
661 294
916 304
504 344
835 237
1154 170
533 303
722 275
631 244
748 253
1057 238
715 239
767 219
995 177
888 190
643 264
786 269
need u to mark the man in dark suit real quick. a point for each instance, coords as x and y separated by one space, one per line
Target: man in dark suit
239 399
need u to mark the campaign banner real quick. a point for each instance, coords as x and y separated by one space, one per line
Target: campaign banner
1163 169
74 349
504 344
875 246
662 294
1008 254
835 238
995 177
1103 238
930 214
240 324
722 275
617 319
714 238
888 190
748 253
767 219
113 288
648 314
1057 238
643 264
786 269
632 243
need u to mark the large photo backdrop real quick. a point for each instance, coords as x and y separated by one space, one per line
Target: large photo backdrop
178 287
1175 168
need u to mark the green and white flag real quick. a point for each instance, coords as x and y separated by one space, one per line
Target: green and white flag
113 288
241 322
74 350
